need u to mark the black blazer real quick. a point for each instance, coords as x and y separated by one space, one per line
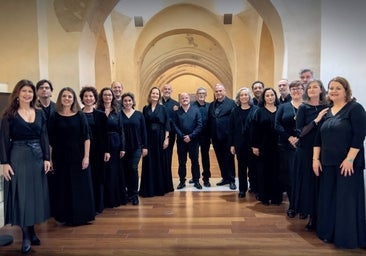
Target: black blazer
240 132
219 117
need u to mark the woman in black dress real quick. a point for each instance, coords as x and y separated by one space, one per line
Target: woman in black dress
136 145
155 177
70 146
241 119
114 184
339 161
285 125
308 119
25 157
264 145
99 154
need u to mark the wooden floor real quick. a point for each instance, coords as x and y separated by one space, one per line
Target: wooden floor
182 223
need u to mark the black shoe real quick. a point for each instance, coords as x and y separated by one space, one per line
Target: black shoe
222 182
206 183
303 216
26 246
241 194
232 186
35 240
191 181
181 185
291 213
135 200
197 185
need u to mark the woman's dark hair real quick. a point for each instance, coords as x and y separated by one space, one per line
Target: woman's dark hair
323 94
88 89
100 102
75 107
262 101
129 94
14 97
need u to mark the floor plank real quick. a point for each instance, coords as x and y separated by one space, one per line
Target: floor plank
182 223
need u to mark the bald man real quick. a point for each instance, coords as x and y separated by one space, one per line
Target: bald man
219 118
187 125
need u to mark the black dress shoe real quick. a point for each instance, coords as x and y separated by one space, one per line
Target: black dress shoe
207 184
222 182
191 181
26 246
35 240
291 213
241 194
303 216
135 200
197 185
181 185
232 186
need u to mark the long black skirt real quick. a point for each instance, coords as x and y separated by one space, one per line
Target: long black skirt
341 208
74 198
26 198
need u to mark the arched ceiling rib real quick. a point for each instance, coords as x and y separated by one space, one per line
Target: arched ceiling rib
187 47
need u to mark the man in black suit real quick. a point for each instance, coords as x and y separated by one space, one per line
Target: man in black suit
219 116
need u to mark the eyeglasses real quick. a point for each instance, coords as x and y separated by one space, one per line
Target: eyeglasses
296 89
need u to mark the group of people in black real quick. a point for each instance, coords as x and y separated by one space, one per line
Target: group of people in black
67 162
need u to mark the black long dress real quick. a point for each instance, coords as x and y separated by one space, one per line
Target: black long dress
285 125
74 197
306 183
265 138
156 177
341 206
114 185
24 146
97 121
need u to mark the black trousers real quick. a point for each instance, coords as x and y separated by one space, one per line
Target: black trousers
204 145
191 149
225 159
130 163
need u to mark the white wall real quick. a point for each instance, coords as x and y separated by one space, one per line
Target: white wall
343 43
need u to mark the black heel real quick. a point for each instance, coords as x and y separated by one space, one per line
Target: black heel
33 237
26 244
